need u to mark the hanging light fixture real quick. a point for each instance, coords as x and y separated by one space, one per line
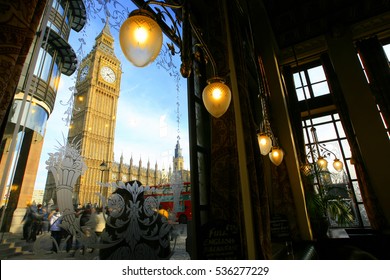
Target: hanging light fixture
317 150
264 136
267 142
319 153
322 163
141 39
276 155
306 169
337 164
216 97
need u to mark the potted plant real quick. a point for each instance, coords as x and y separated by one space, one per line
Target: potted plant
326 201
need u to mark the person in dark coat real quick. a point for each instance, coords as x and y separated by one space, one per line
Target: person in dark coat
27 222
36 226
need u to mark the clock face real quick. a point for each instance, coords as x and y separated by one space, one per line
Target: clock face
108 74
84 73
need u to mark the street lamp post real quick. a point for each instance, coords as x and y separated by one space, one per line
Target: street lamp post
103 167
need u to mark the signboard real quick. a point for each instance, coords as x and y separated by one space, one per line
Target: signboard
280 230
221 241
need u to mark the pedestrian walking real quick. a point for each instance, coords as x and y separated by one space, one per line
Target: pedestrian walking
55 229
27 222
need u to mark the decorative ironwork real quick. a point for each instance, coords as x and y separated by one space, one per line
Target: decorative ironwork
113 9
115 13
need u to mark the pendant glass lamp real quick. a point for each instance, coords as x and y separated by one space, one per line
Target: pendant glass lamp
337 165
216 97
276 155
265 143
306 169
140 38
322 163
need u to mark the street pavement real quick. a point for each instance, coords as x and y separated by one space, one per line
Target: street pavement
13 248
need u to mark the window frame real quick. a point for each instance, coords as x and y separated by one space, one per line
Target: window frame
320 106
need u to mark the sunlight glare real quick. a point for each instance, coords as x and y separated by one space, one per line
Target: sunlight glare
141 35
217 93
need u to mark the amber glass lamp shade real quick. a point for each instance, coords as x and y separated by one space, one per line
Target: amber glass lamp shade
265 143
322 163
216 97
276 155
140 38
337 165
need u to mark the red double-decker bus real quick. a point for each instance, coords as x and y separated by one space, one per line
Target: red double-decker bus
175 200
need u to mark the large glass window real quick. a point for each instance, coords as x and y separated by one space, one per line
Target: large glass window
48 69
42 69
59 7
54 27
387 51
311 83
55 77
324 136
333 144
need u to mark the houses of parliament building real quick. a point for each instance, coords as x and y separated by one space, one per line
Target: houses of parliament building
124 172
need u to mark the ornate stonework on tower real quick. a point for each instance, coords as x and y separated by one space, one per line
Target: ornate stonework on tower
178 160
94 114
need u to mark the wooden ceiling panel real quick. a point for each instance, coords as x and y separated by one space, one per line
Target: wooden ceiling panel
297 21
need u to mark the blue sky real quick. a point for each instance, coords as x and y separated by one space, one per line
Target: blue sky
146 125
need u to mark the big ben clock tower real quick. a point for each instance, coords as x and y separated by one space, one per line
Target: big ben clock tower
94 115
